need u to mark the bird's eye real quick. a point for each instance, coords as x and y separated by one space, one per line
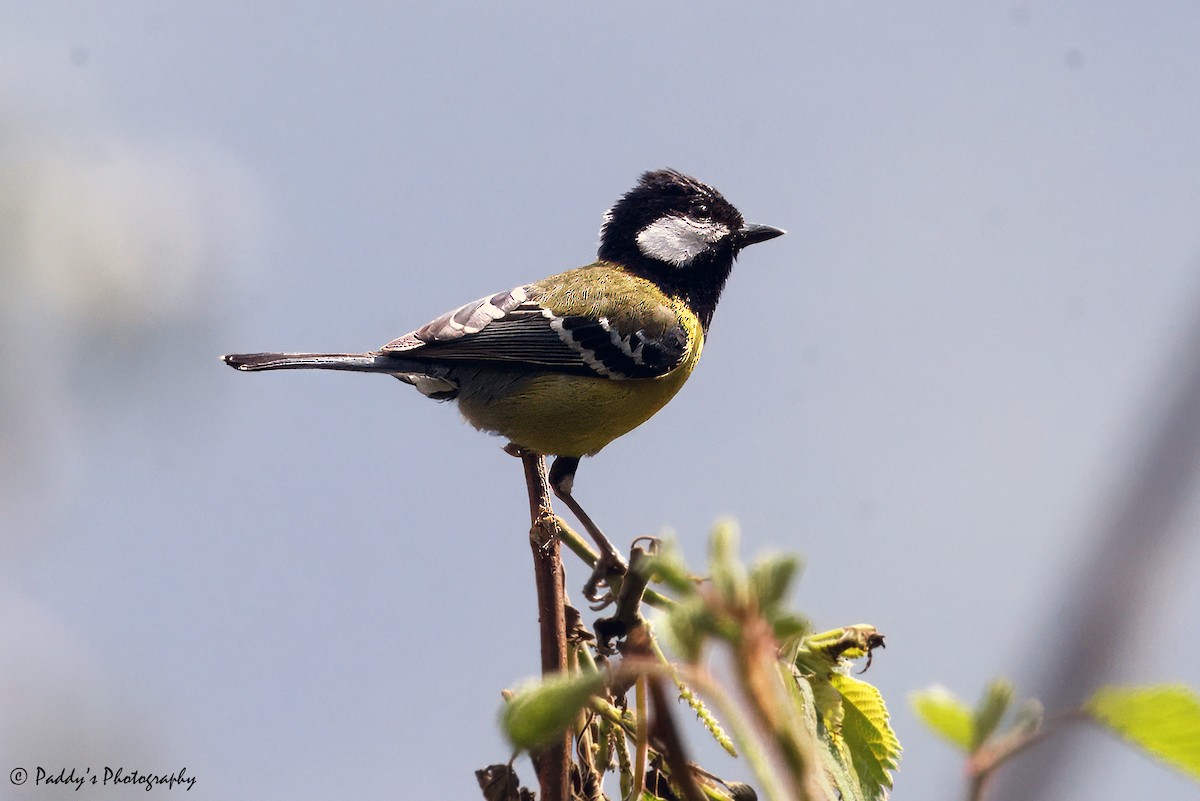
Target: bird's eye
700 210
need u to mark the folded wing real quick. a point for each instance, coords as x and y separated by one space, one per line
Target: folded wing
514 328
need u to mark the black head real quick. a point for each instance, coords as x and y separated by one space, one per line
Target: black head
681 234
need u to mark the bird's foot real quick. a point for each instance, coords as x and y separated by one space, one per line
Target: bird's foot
598 589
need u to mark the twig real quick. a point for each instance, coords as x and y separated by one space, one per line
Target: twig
572 539
981 767
553 763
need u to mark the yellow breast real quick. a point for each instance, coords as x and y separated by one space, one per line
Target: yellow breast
569 415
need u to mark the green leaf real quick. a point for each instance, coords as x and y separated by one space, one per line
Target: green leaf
990 710
949 717
728 574
771 581
1163 719
689 624
667 567
859 747
835 764
868 734
535 716
828 701
788 628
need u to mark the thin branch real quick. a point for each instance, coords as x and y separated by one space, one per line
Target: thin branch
553 763
576 543
983 764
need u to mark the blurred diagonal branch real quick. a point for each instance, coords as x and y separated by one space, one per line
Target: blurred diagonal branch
1104 602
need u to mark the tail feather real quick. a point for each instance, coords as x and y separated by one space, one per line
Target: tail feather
431 380
360 362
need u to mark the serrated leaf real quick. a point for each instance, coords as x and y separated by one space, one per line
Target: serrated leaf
867 732
941 711
989 711
837 765
1164 720
836 771
535 716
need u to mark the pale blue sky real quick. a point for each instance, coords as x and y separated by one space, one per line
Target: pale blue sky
315 585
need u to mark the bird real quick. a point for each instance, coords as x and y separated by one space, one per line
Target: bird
563 366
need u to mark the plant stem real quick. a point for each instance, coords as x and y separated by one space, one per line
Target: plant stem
642 740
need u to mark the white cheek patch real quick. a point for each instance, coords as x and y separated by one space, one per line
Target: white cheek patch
679 240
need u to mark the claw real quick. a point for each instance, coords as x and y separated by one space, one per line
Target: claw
606 566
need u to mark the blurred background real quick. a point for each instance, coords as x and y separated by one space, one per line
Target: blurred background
951 387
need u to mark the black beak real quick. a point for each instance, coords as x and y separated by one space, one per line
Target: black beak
753 234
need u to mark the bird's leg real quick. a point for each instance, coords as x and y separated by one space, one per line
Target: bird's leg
610 563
